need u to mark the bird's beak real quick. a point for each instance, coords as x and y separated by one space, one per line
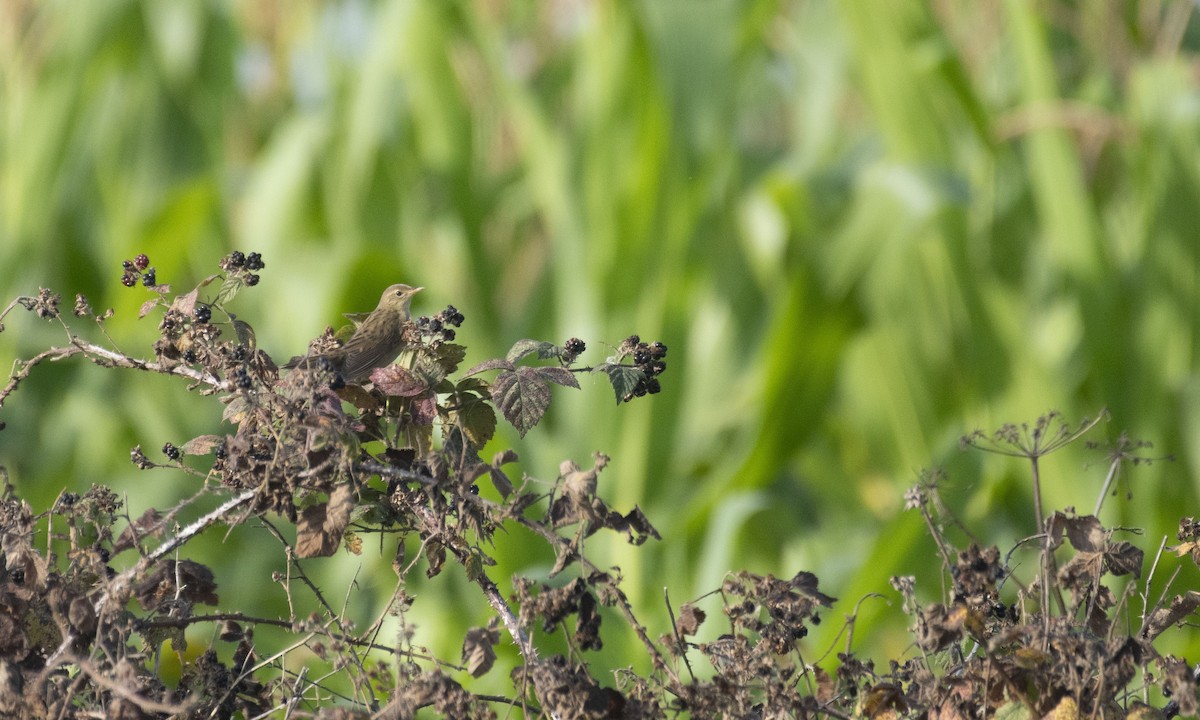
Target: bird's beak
415 290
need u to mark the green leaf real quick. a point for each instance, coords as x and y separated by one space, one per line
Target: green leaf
229 290
624 378
493 364
449 355
523 348
476 418
522 396
558 375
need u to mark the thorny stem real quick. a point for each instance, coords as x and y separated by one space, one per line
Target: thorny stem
108 358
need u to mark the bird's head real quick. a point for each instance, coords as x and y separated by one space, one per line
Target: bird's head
398 297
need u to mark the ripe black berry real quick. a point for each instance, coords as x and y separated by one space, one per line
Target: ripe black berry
575 346
448 335
251 279
652 386
203 314
254 261
148 279
237 259
129 279
658 350
127 264
641 357
171 451
141 261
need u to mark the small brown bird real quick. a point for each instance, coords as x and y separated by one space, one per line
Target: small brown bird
377 341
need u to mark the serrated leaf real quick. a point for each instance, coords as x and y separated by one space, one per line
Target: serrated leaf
471 385
624 378
476 418
207 281
186 304
235 411
559 376
501 482
522 396
493 364
523 348
449 355
229 289
201 445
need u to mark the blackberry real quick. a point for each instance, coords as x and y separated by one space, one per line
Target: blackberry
171 451
251 279
575 346
127 264
129 279
658 350
189 356
641 357
653 387
448 335
254 261
148 279
203 313
237 259
141 261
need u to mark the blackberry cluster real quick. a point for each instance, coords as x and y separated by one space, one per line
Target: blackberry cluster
138 269
171 451
246 264
649 358
440 327
572 349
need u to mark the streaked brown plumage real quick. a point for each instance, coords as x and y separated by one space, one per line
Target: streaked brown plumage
378 340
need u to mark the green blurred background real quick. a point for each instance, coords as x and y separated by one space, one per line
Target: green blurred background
862 228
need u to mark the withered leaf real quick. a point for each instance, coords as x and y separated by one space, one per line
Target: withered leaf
435 553
320 528
689 620
201 445
1122 558
150 524
196 584
479 651
1085 533
147 307
186 304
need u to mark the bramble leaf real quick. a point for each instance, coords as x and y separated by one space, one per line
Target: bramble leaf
624 378
524 348
493 364
522 395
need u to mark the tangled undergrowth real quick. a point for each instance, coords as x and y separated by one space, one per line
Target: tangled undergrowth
91 599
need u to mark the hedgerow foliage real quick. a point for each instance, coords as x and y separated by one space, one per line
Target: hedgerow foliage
91 599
